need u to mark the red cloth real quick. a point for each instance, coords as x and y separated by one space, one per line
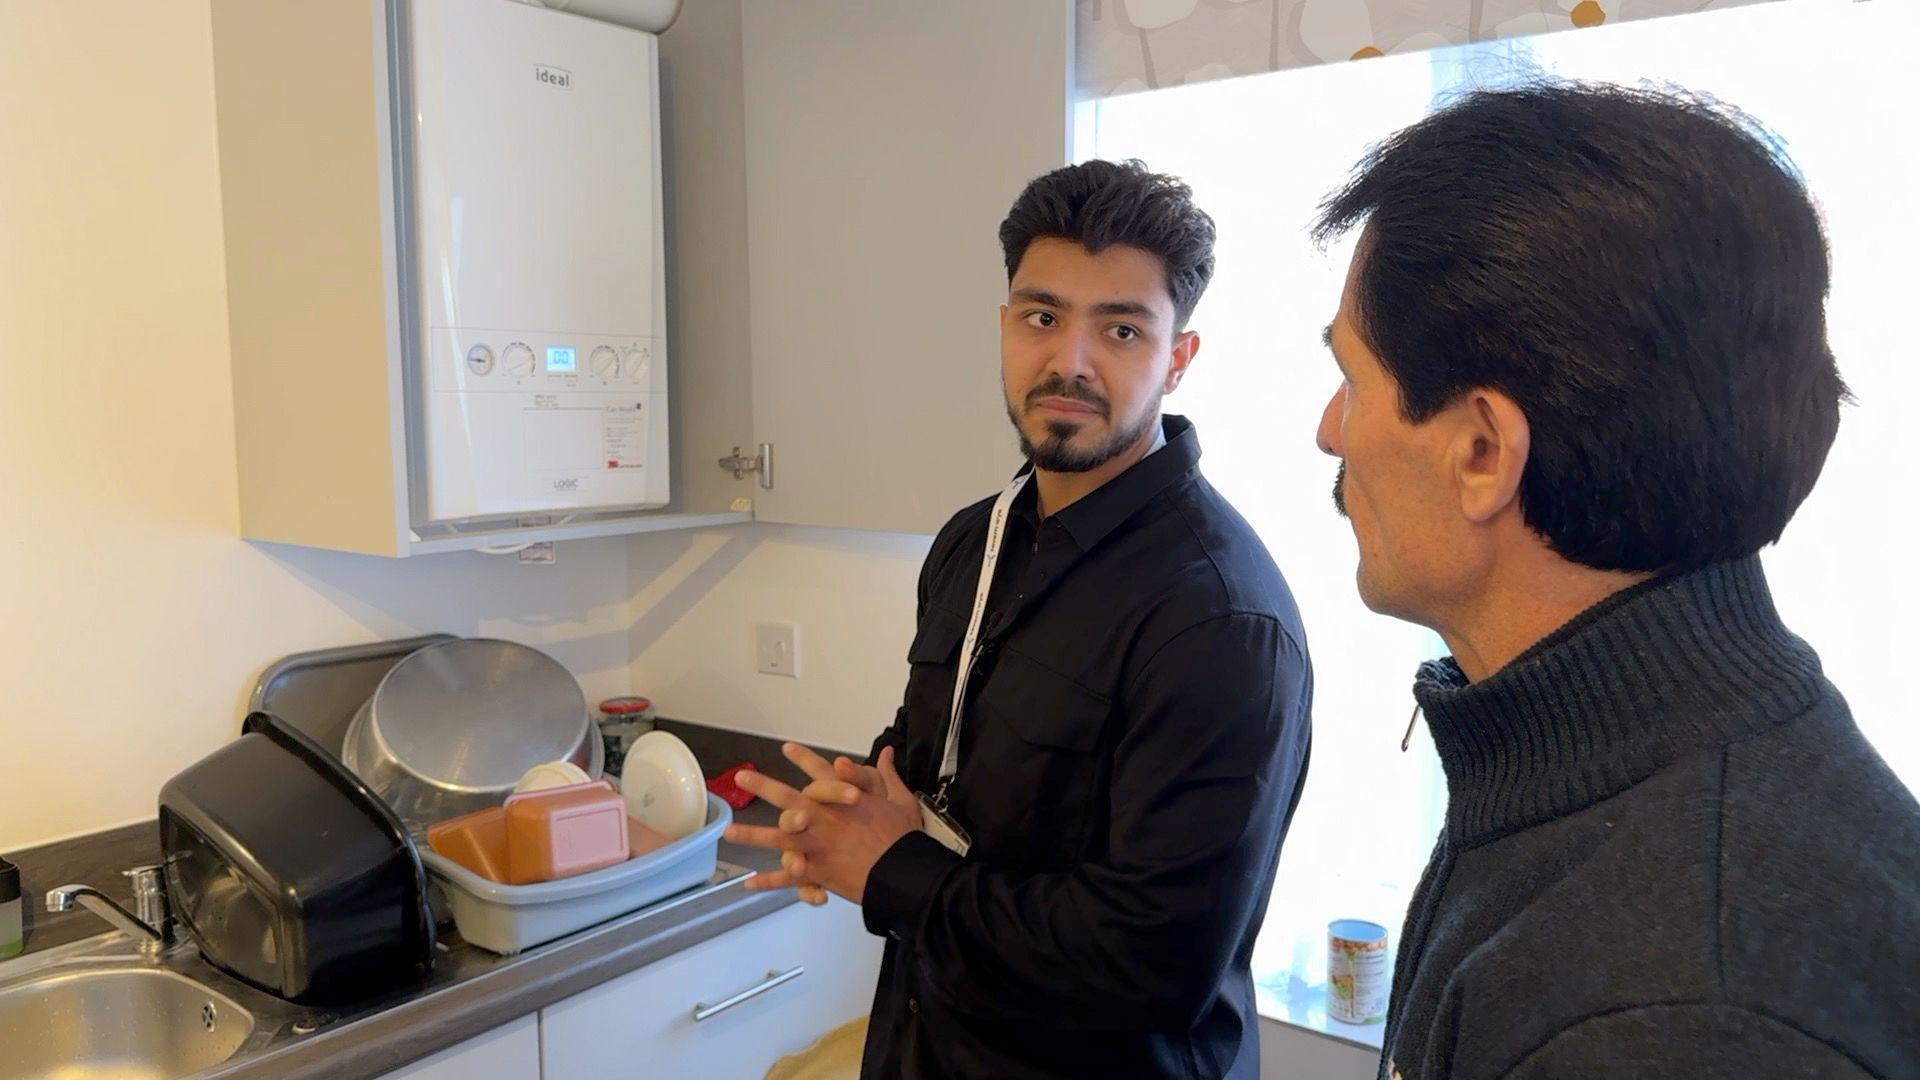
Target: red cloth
725 787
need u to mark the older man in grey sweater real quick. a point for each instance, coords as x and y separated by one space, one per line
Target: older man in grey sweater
1585 379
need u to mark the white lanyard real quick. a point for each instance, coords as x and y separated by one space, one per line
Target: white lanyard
996 531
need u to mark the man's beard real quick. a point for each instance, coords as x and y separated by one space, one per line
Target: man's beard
1055 453
1340 490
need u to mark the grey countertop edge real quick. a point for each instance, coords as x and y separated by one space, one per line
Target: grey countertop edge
421 1027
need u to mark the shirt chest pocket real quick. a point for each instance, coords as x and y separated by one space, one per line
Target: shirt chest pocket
933 663
1037 764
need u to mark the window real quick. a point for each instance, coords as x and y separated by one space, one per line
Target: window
1262 151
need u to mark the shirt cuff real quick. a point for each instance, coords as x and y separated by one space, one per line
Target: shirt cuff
901 885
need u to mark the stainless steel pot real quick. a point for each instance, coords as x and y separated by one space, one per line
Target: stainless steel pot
451 728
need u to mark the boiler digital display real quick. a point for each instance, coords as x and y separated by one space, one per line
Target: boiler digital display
560 359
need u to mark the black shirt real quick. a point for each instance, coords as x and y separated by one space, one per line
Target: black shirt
1132 749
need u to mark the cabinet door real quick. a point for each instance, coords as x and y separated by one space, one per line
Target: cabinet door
884 144
508 1052
642 1024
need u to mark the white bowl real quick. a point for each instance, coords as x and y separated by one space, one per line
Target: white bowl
551 774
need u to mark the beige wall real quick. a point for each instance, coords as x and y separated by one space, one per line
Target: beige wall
132 622
850 593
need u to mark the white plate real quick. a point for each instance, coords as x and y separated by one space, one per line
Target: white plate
663 785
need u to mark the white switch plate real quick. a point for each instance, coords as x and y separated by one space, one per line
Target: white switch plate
776 647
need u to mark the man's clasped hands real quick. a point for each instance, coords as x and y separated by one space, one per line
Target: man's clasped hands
832 832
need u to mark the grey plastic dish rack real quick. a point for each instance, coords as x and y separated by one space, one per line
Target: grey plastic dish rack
511 918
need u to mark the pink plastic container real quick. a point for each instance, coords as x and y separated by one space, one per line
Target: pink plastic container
564 831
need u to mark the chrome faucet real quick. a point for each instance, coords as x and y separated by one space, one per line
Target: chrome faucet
151 929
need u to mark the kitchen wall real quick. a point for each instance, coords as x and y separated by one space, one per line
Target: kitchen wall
851 595
132 621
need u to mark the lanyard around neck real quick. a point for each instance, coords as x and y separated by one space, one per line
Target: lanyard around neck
996 532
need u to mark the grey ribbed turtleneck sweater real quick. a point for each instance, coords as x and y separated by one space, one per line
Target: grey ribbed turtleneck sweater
1668 853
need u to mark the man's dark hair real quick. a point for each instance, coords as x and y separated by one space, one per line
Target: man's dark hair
1101 203
1643 273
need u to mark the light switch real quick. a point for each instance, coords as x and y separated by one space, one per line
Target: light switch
777 646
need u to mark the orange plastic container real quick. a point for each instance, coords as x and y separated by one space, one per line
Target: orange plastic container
641 839
477 841
564 831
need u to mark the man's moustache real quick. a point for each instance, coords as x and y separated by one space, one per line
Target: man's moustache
1070 391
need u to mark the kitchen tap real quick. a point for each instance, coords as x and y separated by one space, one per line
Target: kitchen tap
151 929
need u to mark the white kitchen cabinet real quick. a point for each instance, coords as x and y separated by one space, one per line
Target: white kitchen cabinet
642 1024
508 1052
835 173
328 414
884 144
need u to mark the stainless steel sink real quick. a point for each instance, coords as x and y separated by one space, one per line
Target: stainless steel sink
101 1007
93 1015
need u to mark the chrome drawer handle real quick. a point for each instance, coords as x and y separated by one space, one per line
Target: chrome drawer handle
704 1011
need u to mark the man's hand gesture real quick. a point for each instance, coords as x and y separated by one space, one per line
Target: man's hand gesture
832 833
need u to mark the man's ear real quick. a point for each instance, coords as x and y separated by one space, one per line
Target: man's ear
1185 347
1488 453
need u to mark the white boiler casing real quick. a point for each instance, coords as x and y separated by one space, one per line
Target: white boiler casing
531 199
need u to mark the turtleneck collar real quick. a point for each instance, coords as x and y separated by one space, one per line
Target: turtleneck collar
1649 675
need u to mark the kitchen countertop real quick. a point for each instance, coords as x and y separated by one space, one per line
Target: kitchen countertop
470 991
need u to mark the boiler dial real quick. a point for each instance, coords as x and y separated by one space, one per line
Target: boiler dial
604 363
519 360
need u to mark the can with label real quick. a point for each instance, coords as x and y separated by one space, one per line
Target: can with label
1357 975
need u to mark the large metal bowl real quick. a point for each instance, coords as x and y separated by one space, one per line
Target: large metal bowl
454 725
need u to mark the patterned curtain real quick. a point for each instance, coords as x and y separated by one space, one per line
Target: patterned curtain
1127 45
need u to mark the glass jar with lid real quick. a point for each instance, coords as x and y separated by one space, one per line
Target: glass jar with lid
622 720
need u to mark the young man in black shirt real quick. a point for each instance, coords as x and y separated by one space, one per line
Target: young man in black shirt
1071 857
1584 380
